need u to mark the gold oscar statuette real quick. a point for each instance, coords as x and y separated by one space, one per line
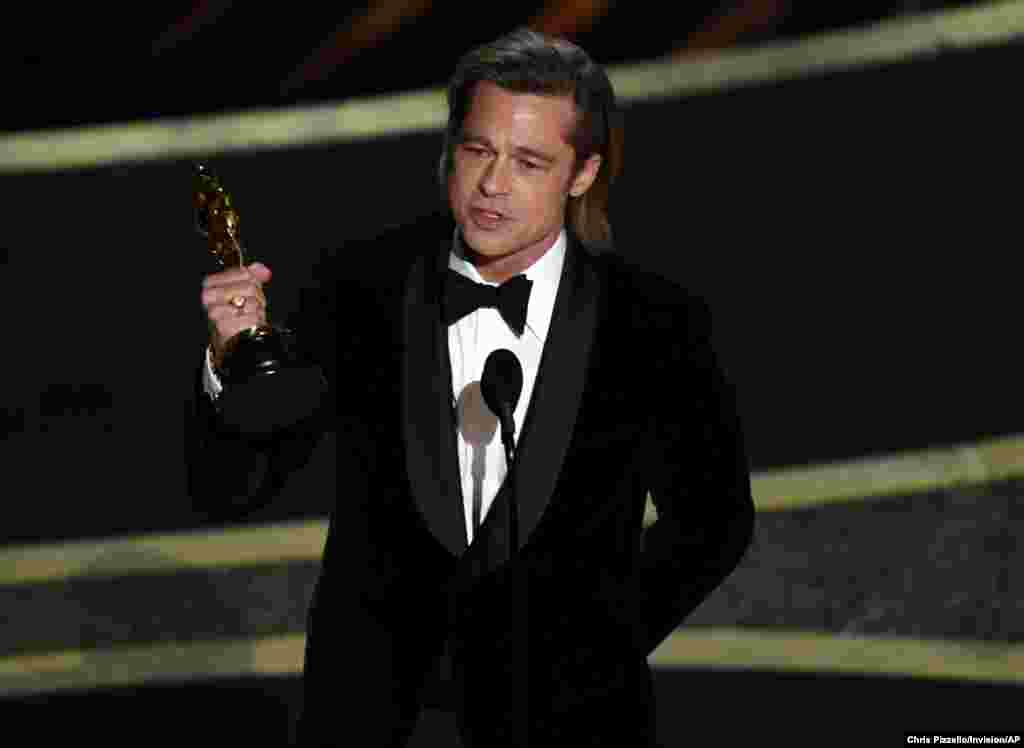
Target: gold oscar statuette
268 383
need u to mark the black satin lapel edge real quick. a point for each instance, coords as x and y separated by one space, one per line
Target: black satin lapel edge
554 407
428 425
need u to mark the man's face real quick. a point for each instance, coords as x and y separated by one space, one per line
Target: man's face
512 176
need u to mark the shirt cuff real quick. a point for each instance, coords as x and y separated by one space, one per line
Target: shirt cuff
211 382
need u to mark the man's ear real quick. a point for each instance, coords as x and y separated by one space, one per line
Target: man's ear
585 175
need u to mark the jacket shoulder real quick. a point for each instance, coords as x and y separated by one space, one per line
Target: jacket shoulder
650 298
366 275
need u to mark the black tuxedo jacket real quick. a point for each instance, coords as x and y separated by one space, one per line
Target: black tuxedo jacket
547 642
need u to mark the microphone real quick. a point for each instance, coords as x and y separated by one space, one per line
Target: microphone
501 384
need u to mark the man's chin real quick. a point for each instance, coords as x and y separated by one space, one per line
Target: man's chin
485 245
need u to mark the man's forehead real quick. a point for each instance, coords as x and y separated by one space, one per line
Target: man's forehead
486 95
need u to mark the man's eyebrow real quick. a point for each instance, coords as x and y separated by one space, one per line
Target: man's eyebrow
468 137
524 151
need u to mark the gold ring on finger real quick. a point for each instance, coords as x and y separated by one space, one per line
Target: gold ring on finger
238 302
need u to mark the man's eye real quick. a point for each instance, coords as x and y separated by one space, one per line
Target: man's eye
529 165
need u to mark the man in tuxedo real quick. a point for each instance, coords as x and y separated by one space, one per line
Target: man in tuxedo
426 601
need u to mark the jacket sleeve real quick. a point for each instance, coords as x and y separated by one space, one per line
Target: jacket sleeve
699 483
230 475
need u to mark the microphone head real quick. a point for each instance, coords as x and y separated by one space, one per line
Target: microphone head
502 381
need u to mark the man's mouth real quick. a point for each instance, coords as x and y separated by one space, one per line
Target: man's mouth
486 217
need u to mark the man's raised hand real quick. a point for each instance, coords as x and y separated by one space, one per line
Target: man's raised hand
233 300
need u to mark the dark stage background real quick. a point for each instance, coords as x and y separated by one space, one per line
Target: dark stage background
855 234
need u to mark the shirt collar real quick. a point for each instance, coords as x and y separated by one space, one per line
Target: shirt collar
545 274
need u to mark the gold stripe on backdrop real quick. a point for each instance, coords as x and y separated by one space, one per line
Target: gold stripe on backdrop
152 664
873 479
717 648
804 651
986 461
154 554
917 36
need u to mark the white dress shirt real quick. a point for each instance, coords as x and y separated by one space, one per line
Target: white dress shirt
470 341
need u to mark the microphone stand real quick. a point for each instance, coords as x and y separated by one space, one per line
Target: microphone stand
508 428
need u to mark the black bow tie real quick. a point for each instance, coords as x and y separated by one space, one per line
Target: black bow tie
463 296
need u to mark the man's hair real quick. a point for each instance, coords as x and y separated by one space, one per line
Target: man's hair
526 61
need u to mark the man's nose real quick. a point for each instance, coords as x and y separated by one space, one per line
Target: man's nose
494 180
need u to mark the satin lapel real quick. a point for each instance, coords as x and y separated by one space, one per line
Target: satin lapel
551 417
427 411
